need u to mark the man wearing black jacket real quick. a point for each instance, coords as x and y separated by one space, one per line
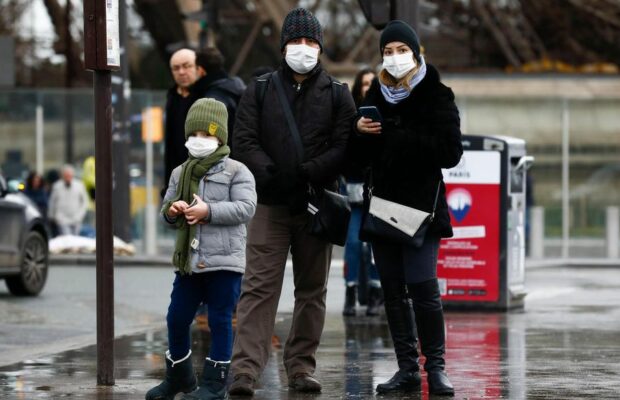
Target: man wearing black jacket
178 102
216 84
323 111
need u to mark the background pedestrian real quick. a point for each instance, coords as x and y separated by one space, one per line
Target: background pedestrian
68 203
357 255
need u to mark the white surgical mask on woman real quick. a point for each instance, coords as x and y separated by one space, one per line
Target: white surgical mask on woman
200 147
399 65
301 58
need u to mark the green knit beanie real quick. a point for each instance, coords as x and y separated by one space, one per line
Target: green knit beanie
208 115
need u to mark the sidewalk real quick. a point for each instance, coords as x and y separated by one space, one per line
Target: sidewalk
563 345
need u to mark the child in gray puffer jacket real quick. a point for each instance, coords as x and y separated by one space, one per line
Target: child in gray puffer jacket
209 200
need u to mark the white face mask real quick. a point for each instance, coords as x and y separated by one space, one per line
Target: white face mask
200 147
301 58
399 65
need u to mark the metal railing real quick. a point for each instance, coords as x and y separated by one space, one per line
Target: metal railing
576 143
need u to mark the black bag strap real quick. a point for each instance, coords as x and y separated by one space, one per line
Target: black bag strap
262 83
432 217
436 198
290 120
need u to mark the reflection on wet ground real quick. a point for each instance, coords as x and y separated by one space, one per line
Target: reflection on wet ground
560 347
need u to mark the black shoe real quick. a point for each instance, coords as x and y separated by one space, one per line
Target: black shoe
304 383
402 381
439 384
349 301
242 385
375 301
179 378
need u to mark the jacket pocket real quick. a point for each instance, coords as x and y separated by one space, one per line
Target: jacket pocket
217 187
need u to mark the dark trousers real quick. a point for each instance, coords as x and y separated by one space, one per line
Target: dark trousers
271 234
219 290
407 264
411 272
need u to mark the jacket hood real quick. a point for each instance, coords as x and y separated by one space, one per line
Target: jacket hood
220 80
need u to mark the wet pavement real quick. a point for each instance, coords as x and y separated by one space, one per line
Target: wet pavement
564 344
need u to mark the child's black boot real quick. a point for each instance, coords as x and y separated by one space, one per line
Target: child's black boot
180 377
213 382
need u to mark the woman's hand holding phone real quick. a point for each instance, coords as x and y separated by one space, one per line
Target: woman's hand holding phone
368 126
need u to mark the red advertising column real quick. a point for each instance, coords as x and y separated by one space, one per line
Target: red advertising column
469 263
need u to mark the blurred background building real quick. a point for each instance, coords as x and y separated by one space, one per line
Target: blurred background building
546 71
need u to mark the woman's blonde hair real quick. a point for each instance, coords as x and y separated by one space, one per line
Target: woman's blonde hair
388 80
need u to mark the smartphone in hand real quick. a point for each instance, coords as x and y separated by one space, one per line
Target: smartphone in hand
193 203
371 112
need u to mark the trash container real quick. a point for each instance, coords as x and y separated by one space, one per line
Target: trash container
483 265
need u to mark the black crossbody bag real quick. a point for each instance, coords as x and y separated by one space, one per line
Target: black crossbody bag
330 211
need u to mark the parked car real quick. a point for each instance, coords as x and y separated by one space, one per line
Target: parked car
23 243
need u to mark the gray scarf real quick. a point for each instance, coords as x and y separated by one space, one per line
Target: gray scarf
395 95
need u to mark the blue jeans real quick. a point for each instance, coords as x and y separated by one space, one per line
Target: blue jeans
353 251
219 290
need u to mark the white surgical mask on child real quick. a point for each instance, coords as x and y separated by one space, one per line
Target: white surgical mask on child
301 58
399 65
200 147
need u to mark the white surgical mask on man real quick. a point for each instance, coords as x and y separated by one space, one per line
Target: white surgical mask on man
200 147
399 65
301 58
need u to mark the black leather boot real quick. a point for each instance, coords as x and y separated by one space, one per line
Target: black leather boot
400 321
375 299
430 322
179 378
213 382
350 299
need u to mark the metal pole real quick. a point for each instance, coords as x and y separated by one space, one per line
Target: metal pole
613 231
565 179
537 232
39 139
69 74
104 243
149 211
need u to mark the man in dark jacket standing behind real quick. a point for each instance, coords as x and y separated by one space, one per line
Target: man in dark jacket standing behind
323 111
178 102
217 84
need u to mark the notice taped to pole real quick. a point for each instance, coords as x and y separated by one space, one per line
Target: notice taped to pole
113 54
101 35
468 264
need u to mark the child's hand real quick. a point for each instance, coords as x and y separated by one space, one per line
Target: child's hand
197 212
177 208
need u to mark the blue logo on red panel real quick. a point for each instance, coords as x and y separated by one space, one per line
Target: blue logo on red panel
459 203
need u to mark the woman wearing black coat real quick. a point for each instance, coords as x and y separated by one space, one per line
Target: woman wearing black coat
418 136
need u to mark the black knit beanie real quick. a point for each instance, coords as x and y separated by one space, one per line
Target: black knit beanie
300 23
400 31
